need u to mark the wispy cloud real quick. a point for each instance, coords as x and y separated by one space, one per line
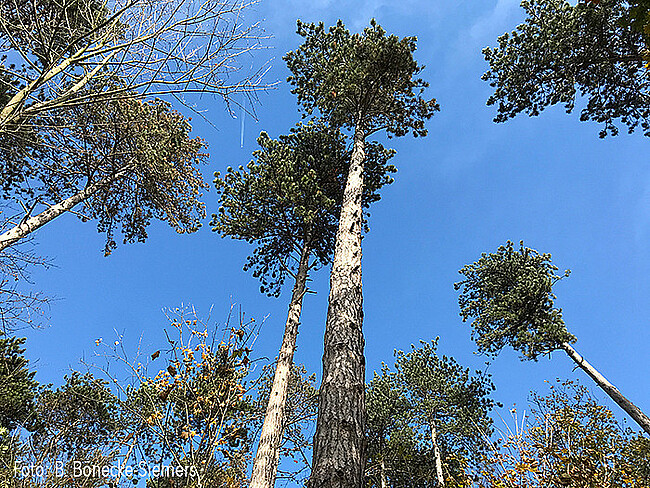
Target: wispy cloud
493 22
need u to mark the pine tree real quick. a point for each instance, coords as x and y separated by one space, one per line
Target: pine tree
509 297
427 420
568 53
365 83
17 385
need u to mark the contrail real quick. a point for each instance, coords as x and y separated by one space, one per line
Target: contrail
243 117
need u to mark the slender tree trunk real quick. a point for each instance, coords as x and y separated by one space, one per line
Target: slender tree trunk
31 224
384 479
438 456
339 443
265 466
613 392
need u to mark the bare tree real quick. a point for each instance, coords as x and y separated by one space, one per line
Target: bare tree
85 107
20 305
75 51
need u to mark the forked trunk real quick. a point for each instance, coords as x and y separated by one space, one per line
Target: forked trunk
339 444
31 224
613 392
440 476
265 466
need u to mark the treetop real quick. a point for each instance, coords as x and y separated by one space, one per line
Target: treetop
366 81
564 52
508 296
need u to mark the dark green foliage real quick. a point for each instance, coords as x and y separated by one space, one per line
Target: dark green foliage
289 196
79 422
427 392
509 298
442 390
363 80
17 385
565 52
640 19
391 437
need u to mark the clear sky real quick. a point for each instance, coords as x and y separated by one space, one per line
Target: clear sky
466 188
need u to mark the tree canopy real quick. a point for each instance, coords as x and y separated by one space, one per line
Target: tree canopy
86 112
508 297
367 80
427 420
290 196
591 52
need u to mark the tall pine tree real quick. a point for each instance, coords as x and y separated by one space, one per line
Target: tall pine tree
364 83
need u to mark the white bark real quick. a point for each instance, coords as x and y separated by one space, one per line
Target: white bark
438 456
265 466
632 410
384 480
31 224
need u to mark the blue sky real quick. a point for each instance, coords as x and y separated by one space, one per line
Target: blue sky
466 188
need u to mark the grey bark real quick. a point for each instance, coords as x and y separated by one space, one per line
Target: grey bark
31 224
632 410
339 443
440 476
265 466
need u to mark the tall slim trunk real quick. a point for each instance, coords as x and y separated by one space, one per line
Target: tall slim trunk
382 474
613 392
31 224
265 466
339 444
437 455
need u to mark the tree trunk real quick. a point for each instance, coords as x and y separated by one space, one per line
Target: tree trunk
31 224
613 392
384 479
339 443
265 466
438 456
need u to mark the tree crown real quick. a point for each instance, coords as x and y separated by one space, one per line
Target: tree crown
446 391
368 80
427 391
509 298
566 52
